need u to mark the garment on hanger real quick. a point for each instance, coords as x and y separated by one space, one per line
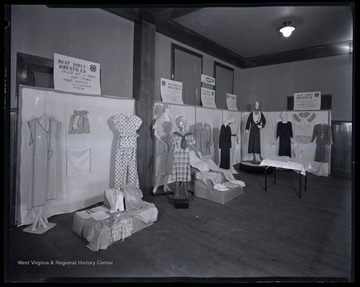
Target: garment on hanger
284 133
323 135
202 136
181 165
225 145
45 164
125 161
252 123
79 122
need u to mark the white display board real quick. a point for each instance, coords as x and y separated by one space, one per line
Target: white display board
76 191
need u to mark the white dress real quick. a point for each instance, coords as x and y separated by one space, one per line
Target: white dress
44 161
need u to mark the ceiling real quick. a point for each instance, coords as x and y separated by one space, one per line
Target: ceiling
247 35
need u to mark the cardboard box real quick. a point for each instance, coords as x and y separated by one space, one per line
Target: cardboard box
208 192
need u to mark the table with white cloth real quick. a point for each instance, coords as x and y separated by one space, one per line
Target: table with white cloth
284 162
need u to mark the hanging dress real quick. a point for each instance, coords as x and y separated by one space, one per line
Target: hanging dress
284 133
44 160
163 157
202 136
125 161
225 145
322 134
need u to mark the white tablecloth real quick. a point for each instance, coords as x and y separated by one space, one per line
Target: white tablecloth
287 163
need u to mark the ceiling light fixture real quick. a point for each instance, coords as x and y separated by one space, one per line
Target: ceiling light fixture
287 29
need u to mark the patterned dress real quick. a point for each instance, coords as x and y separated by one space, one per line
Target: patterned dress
181 166
125 161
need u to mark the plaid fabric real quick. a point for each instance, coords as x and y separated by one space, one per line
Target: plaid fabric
121 228
181 165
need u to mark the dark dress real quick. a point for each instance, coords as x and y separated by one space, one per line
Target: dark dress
284 133
225 145
254 136
322 134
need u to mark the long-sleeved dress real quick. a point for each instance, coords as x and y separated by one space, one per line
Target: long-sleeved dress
284 132
225 145
254 136
323 135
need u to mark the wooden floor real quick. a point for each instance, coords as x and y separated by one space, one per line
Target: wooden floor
259 236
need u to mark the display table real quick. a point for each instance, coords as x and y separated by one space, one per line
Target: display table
208 192
99 233
284 162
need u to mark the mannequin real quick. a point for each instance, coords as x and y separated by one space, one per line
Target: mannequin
284 135
255 122
164 152
183 142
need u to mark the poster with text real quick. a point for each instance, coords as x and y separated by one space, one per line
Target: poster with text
208 98
207 80
307 101
171 91
231 102
76 75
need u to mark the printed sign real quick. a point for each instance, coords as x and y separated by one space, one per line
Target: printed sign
231 102
171 91
76 75
207 79
307 101
208 98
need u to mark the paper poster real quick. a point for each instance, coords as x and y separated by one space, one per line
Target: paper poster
208 98
76 75
207 80
171 91
307 101
231 102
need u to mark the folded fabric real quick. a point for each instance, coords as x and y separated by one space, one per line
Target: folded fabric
133 197
238 182
115 198
220 187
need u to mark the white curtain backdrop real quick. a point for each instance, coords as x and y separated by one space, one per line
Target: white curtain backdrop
96 149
